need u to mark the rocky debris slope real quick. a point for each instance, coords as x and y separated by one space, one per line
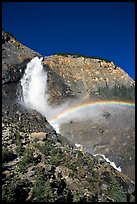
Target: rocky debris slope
40 165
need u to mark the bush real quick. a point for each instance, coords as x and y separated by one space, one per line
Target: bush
7 155
115 191
44 149
26 160
42 192
14 191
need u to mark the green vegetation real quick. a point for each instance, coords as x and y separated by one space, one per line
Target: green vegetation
7 155
115 191
19 148
117 92
50 188
56 158
42 191
79 155
8 193
80 55
17 138
76 197
49 185
26 160
14 191
44 148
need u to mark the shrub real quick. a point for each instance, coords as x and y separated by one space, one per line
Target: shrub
44 149
115 191
7 155
14 191
26 160
42 191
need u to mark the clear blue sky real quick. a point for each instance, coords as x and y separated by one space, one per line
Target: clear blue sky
100 29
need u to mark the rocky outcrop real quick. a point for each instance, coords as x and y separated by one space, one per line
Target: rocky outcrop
14 58
86 75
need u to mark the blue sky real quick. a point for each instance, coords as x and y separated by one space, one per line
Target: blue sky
100 29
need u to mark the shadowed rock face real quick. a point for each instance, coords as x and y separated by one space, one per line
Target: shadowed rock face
53 164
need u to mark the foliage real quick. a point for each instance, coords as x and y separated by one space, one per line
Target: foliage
117 92
44 149
48 149
115 191
14 191
19 148
76 197
7 155
48 187
26 160
8 194
42 191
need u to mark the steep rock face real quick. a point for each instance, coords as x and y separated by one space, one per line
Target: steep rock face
85 75
13 54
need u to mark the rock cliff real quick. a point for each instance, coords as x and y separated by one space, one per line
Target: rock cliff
85 75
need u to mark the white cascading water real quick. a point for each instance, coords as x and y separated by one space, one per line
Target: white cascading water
35 91
34 86
108 161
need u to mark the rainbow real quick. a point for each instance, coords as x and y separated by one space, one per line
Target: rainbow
88 104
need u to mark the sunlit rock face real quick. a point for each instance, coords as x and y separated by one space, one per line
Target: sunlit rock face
85 75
